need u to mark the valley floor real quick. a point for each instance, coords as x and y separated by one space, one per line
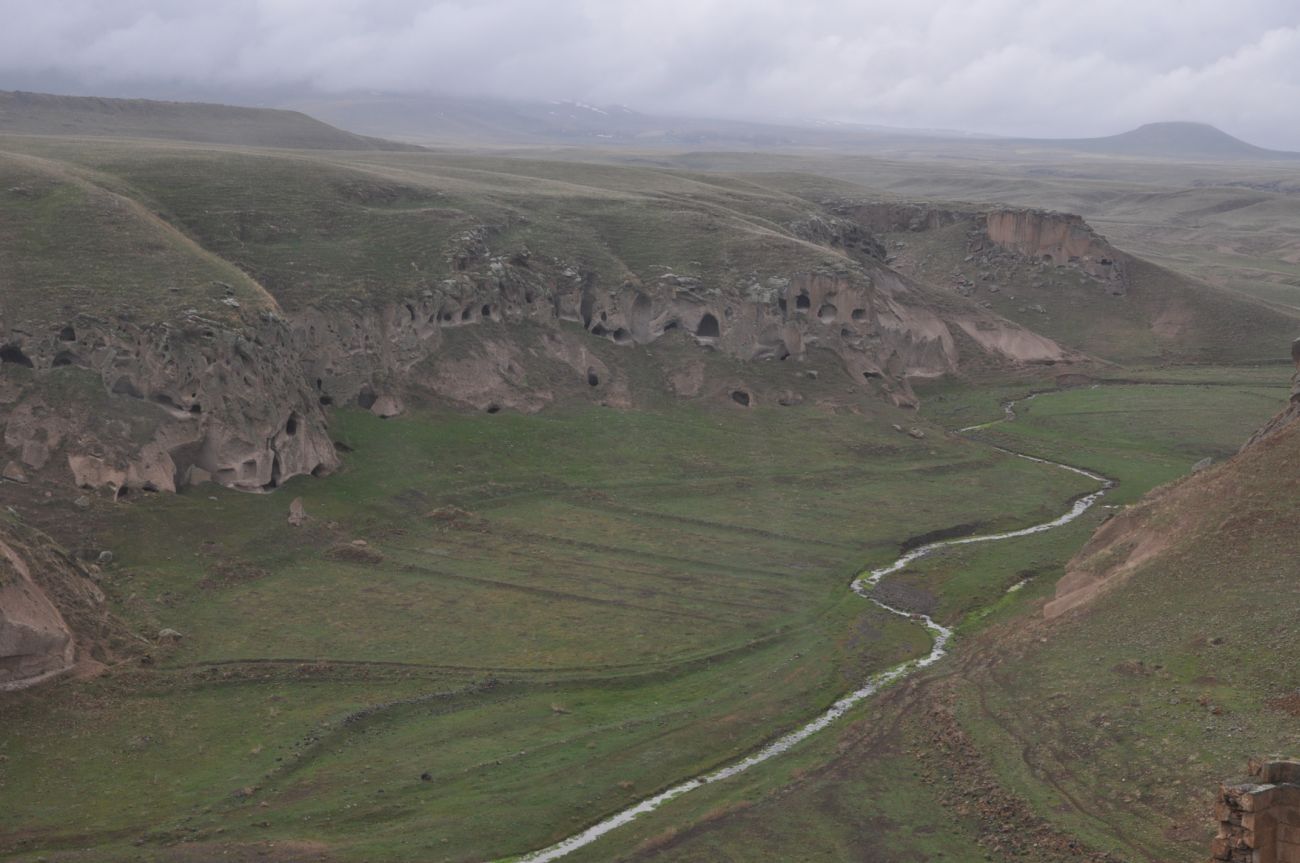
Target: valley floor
494 630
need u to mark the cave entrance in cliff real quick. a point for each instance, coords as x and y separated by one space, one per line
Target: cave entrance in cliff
640 316
14 354
802 303
593 380
741 398
708 328
275 474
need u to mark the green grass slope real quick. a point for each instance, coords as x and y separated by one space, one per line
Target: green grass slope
551 616
24 113
70 245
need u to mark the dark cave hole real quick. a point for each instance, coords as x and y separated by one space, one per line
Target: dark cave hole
708 327
14 354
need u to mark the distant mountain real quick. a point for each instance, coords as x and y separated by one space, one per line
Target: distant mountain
1166 140
460 120
45 114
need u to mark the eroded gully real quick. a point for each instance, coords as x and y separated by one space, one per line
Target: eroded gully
862 586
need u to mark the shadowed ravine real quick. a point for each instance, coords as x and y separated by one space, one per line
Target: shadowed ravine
862 585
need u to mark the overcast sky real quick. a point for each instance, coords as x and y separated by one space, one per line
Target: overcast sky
1016 67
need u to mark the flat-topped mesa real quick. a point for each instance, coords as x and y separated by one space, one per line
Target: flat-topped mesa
1060 239
1259 820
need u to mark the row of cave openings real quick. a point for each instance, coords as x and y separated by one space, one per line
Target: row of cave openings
708 326
468 315
826 313
14 355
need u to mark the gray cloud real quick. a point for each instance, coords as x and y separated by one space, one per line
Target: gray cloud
1047 67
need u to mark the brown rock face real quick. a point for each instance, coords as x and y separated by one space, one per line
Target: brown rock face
1060 239
51 613
157 407
1259 820
126 406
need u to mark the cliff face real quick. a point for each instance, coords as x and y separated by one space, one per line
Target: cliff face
125 405
50 611
157 406
1060 239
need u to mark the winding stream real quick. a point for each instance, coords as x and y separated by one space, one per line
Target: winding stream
862 585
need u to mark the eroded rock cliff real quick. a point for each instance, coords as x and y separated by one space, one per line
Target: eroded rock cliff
129 403
52 615
1060 239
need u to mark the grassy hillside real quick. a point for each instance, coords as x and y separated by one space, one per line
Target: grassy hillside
70 245
314 228
85 116
623 597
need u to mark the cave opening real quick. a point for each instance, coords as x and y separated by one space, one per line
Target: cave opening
708 327
14 354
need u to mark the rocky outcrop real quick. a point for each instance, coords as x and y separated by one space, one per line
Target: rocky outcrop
131 405
158 406
1259 820
897 217
52 616
1058 238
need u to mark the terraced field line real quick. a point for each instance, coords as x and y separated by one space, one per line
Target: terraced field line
862 586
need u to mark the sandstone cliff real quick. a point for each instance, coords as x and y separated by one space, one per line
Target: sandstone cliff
128 403
1060 239
52 616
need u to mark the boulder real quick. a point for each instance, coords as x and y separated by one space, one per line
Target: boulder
297 513
14 472
387 406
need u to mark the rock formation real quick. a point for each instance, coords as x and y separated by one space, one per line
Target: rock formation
129 404
1259 820
1060 239
52 616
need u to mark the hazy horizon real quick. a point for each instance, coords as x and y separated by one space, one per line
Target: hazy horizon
1054 70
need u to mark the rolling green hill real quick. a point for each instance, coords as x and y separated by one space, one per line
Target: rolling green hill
24 113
